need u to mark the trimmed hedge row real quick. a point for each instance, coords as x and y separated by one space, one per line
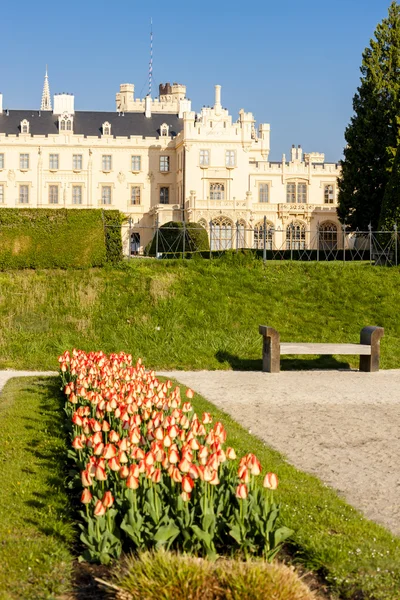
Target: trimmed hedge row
59 238
170 239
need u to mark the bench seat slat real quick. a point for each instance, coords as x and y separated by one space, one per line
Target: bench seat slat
303 348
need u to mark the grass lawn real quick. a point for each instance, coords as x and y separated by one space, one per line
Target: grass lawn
36 531
196 314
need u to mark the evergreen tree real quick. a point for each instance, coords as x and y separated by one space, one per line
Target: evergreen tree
390 212
373 128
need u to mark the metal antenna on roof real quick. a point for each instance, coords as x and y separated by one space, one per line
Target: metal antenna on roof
151 58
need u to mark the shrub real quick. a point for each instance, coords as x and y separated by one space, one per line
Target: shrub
58 238
171 236
113 220
156 475
156 575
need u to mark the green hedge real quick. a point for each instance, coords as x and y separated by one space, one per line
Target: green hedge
58 238
171 235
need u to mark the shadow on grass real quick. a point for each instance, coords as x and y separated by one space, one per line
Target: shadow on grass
287 364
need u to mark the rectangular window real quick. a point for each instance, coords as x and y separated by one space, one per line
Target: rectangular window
77 162
1 194
53 161
136 163
164 195
135 194
24 161
217 191
1 161
263 192
106 162
106 194
291 193
329 195
164 164
301 193
53 194
205 157
76 194
24 194
230 158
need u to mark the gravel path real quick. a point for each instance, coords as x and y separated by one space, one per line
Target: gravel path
343 427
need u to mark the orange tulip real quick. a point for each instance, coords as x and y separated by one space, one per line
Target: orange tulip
187 484
124 472
230 453
86 479
189 393
241 491
100 509
86 496
100 474
271 481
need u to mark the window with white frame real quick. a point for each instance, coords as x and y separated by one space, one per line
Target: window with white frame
263 192
217 191
329 194
296 192
106 128
164 130
106 194
230 158
164 164
24 126
204 158
296 236
327 236
136 163
53 194
260 235
24 161
65 122
1 161
1 193
221 234
77 194
135 194
77 162
23 194
106 162
164 195
53 161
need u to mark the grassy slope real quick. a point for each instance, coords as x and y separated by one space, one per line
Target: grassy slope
35 528
358 558
195 314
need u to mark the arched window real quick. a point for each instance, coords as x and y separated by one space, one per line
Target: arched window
106 128
217 191
221 234
203 223
24 126
327 236
259 235
135 243
65 122
296 236
164 130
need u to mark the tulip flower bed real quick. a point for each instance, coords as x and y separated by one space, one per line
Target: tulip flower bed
155 474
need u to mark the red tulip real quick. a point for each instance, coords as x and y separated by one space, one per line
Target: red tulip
187 484
185 496
244 474
189 393
241 491
100 474
86 479
77 443
114 464
100 509
271 481
109 451
86 496
124 472
132 482
230 453
107 499
156 476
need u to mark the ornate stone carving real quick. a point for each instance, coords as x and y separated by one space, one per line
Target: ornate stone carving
121 177
11 175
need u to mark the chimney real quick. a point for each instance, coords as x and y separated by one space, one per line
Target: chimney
1 104
217 105
147 107
293 153
299 153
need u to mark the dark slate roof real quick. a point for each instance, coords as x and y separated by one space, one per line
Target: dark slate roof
89 123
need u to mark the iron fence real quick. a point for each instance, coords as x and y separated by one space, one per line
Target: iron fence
294 242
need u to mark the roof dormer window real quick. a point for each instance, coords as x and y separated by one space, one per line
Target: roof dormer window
106 128
24 126
164 130
65 122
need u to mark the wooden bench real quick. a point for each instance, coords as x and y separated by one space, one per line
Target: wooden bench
368 349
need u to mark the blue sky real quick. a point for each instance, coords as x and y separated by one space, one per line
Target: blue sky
294 64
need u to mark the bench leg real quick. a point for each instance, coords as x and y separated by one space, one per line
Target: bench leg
372 336
271 359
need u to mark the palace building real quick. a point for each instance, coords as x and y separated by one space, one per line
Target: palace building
156 161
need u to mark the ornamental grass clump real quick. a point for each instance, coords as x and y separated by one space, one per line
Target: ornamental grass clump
156 475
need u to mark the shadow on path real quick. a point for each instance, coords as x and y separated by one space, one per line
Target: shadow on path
287 364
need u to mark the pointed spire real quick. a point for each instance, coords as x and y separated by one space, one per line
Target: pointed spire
46 99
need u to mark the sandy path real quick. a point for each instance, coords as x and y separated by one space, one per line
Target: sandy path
9 374
343 427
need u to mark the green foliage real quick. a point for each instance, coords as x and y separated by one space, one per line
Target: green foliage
171 237
166 576
58 238
113 220
390 213
36 530
373 128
